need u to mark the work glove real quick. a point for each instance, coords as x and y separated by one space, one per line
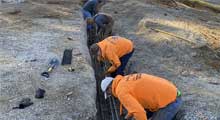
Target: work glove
129 117
107 73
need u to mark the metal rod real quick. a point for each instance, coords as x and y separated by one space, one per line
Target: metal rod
115 108
112 109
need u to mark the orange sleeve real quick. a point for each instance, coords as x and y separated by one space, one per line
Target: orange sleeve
113 59
133 107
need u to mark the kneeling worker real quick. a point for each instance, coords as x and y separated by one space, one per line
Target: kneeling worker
144 96
117 50
104 24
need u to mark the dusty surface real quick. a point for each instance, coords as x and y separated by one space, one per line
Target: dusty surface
192 66
31 33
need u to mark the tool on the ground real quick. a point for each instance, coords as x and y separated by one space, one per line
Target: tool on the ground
40 93
172 34
67 57
52 65
71 69
25 102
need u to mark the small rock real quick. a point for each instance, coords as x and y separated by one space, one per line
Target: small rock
197 67
185 73
194 54
69 93
77 54
14 12
33 60
69 38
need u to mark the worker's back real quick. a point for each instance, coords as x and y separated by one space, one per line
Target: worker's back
104 18
119 45
90 6
150 91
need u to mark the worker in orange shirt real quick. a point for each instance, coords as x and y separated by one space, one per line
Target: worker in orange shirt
117 50
144 96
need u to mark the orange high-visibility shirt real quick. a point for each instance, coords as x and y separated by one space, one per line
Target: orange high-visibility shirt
113 48
138 92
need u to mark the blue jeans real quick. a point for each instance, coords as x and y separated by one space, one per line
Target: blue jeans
86 14
167 113
124 60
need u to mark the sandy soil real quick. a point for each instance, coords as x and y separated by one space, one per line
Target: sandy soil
31 33
38 30
192 65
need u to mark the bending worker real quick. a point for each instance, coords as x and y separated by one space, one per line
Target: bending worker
104 24
144 96
117 50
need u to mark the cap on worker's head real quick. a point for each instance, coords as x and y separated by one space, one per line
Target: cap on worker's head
94 49
105 83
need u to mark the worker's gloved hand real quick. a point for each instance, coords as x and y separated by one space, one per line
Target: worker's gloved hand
129 117
107 73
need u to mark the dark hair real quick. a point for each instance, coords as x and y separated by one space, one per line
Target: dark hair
100 1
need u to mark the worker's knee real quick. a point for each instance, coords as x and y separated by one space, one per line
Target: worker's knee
169 112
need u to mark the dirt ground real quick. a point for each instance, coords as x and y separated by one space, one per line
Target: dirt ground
34 31
31 33
192 64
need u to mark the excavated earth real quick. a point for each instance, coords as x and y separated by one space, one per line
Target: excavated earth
193 64
31 33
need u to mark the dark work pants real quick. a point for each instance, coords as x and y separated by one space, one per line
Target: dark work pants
167 113
124 60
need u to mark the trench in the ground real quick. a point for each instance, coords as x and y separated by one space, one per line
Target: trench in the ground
106 109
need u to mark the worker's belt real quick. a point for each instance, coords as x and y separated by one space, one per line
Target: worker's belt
179 94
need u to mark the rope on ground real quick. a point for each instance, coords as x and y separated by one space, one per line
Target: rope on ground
172 34
187 40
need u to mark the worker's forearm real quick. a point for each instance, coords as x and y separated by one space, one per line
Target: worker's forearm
112 69
140 116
